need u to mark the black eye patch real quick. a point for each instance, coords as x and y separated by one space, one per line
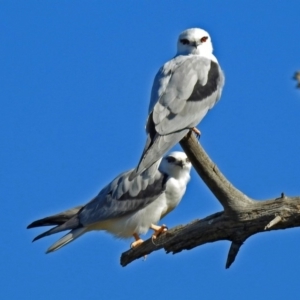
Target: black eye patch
170 159
184 41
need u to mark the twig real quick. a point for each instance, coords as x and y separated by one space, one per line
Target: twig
276 220
233 251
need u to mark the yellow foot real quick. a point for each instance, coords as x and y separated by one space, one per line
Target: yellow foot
158 230
138 241
197 132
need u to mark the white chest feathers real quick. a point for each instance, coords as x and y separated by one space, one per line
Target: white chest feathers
175 190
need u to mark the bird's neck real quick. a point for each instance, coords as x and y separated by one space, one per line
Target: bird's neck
181 175
206 54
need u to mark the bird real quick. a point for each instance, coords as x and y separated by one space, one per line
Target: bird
126 208
184 89
297 77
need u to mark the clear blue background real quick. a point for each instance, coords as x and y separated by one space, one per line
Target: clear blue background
75 79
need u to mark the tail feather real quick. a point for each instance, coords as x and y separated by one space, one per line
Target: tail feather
73 223
46 233
69 237
156 149
57 219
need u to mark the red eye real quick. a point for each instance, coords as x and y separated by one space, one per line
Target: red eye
203 39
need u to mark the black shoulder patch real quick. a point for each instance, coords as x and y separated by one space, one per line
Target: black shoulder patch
150 128
151 137
153 190
201 92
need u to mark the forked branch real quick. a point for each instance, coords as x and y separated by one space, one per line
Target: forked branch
242 216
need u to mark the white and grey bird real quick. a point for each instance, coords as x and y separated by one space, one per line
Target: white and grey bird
126 208
184 89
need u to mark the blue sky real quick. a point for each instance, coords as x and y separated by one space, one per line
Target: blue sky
75 85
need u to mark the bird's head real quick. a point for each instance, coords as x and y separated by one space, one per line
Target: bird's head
176 164
194 41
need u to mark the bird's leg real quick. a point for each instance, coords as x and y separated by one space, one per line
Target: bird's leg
197 132
158 230
138 241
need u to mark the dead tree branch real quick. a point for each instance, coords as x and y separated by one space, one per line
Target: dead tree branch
242 216
297 78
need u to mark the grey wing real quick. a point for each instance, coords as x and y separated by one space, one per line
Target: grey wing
185 94
160 83
122 197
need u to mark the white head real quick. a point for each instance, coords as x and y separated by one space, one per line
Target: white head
176 165
194 41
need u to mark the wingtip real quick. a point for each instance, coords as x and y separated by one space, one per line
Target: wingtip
133 175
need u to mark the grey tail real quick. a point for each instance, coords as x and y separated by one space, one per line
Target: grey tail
73 223
57 219
69 237
155 148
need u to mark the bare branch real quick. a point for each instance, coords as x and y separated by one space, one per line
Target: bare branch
297 77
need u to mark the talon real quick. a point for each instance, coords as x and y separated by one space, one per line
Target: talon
138 241
158 230
197 132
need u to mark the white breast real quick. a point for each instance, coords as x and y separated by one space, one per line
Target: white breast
173 194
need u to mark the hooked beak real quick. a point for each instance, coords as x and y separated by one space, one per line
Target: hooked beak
195 44
180 164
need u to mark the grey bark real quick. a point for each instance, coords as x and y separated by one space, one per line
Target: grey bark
241 218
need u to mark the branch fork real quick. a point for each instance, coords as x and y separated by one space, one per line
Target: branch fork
241 218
